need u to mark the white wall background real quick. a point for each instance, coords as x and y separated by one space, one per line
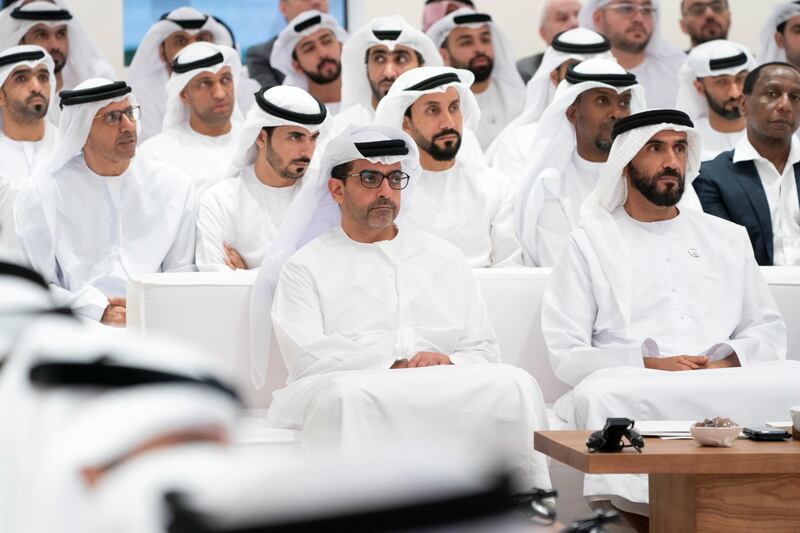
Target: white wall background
518 18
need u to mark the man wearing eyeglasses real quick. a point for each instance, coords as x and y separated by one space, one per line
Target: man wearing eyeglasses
632 27
460 200
704 20
382 325
26 136
92 215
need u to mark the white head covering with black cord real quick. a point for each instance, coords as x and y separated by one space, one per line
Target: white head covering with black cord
148 74
313 212
578 44
30 56
300 27
387 31
193 60
658 73
630 134
709 59
554 142
770 51
84 59
505 77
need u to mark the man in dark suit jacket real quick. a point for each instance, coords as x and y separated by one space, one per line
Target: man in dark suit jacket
757 184
557 16
258 65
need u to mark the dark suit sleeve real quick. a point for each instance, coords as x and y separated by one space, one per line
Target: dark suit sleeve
258 65
707 189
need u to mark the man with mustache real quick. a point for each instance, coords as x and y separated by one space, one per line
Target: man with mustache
382 326
637 42
26 136
48 24
202 121
308 52
240 217
92 214
462 201
705 20
151 65
711 84
372 59
570 148
510 151
756 184
652 292
471 41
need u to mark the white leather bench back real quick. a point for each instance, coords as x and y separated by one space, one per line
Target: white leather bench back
210 310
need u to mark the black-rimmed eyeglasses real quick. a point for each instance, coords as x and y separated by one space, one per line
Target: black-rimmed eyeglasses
372 179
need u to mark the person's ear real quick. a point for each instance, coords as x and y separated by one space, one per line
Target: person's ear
336 188
699 87
597 18
183 96
743 105
261 140
296 66
445 56
572 114
554 77
780 40
406 124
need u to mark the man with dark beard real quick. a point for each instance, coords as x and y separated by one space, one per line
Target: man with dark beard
653 292
372 59
466 203
632 27
570 148
705 20
241 216
309 52
48 24
711 84
756 184
471 41
26 136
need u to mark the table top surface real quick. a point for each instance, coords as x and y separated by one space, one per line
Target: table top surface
661 456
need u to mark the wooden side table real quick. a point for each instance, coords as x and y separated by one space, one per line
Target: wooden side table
752 486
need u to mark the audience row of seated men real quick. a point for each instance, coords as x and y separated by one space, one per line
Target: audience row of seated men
370 230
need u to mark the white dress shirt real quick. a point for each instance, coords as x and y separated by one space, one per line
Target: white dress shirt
784 206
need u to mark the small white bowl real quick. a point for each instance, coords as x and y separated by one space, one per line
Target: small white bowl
713 436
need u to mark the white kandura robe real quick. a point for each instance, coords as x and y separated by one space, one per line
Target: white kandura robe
496 113
553 209
512 153
715 142
204 158
470 206
17 160
356 115
659 76
244 213
87 234
696 290
344 311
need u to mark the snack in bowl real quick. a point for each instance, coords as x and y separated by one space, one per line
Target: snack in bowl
716 431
